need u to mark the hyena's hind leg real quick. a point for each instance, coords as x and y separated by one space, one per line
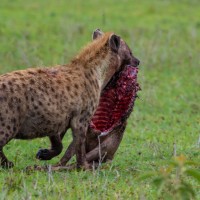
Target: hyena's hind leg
56 149
4 139
4 162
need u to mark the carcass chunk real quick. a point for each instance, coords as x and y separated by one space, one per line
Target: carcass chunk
116 101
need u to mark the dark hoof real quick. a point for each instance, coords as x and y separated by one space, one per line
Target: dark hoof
44 154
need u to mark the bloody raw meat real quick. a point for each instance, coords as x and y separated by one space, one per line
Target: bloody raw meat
116 102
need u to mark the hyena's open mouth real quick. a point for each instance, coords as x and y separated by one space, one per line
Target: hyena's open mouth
116 102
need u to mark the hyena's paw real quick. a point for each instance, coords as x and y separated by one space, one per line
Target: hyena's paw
7 164
44 154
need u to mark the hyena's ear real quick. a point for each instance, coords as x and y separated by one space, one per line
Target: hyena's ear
96 34
114 42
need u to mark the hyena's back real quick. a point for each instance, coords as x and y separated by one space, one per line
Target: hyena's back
37 102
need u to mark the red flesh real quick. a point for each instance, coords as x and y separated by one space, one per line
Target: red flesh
116 101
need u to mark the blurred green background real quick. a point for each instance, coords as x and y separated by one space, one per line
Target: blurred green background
164 35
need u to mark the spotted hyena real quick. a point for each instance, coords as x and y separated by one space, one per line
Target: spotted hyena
107 125
41 102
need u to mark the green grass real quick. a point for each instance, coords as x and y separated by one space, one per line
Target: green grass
164 35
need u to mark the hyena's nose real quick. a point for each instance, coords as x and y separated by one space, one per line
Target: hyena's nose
136 62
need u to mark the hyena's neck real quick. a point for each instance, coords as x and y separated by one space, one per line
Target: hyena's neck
96 68
101 70
95 57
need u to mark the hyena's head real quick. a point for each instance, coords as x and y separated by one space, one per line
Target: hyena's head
119 54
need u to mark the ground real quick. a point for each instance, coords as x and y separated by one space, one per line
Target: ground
164 35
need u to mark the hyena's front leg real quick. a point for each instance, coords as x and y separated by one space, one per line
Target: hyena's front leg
79 135
80 148
56 149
